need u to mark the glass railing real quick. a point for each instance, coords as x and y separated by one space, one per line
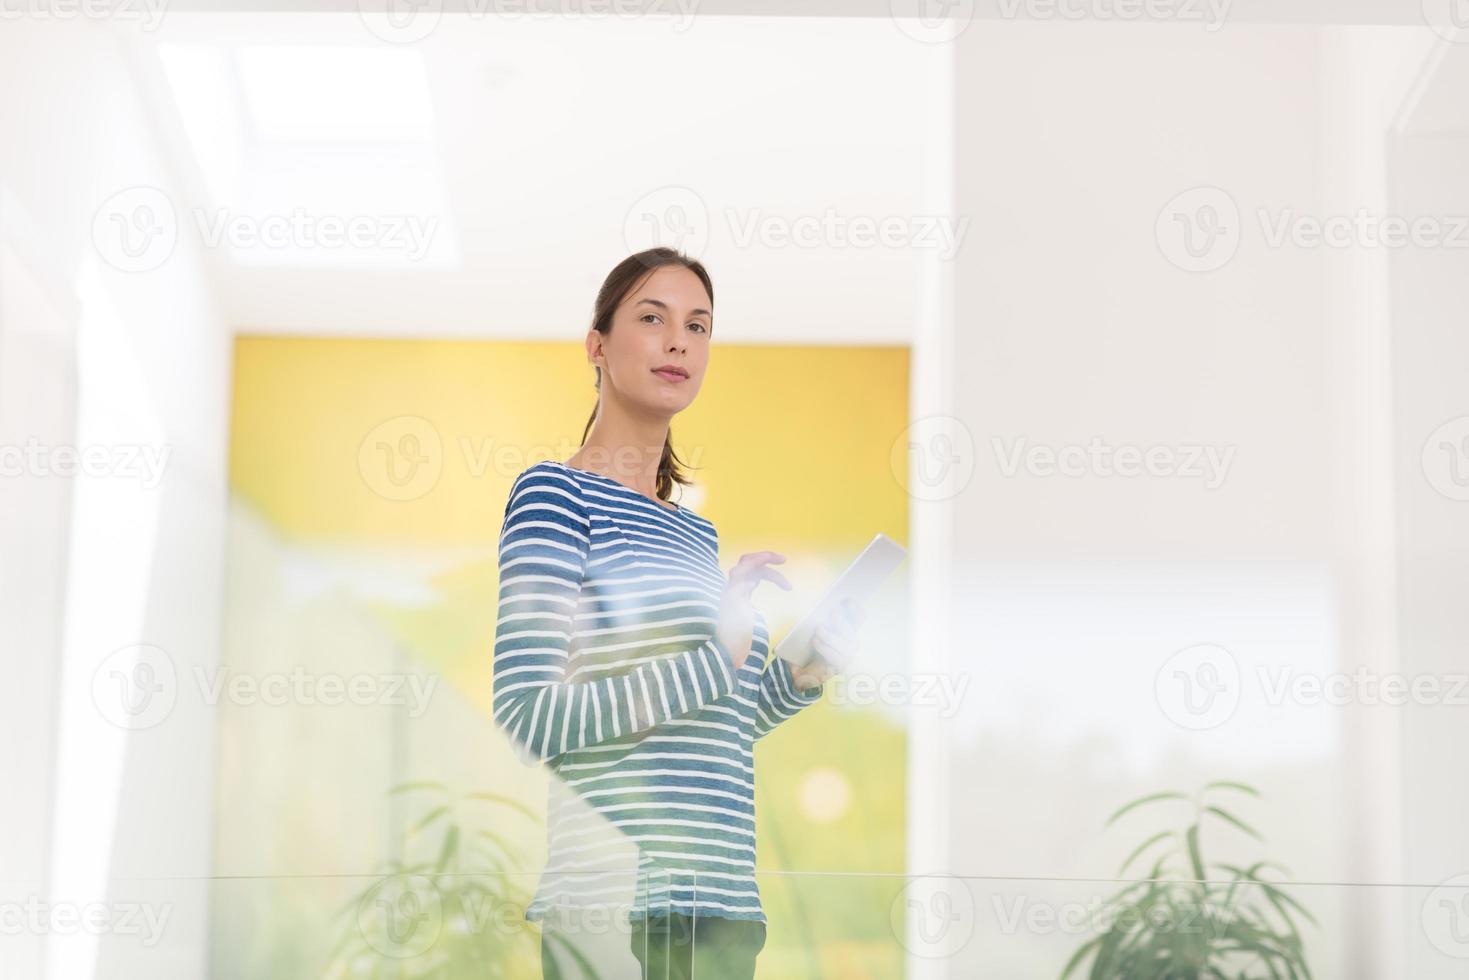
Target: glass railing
424 923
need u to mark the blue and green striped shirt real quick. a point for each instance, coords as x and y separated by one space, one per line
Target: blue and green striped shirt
607 670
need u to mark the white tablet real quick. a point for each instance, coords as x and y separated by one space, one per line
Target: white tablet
857 582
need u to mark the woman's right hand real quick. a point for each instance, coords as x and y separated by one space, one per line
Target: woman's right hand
736 609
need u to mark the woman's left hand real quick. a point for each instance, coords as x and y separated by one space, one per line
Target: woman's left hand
835 643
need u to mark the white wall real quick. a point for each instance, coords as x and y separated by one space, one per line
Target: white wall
1074 593
1430 366
101 563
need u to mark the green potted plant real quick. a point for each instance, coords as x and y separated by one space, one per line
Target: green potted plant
449 907
1178 923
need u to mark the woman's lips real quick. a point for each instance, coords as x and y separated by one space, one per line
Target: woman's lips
670 376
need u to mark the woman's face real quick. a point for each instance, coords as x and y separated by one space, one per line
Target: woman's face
663 322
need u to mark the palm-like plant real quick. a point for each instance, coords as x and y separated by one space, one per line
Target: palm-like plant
447 909
1174 925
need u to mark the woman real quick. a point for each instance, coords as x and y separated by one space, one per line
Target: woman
628 663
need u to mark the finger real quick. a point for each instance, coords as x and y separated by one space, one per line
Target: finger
755 559
746 581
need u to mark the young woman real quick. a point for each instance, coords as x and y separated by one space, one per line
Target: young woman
627 662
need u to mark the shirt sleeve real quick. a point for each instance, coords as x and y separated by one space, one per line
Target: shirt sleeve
780 699
544 546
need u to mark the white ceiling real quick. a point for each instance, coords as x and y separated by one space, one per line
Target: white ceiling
504 166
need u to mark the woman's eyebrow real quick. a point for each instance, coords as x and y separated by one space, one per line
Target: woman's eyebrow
663 306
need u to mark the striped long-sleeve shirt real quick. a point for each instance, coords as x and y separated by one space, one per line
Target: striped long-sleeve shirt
606 669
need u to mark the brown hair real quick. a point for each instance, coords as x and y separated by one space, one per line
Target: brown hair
622 280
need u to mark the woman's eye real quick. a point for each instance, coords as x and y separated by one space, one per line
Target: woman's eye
700 326
647 316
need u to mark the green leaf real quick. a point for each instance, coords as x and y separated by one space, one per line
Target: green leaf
1228 784
1080 955
1194 856
448 850
1154 797
409 787
428 818
1234 820
1160 835
505 801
